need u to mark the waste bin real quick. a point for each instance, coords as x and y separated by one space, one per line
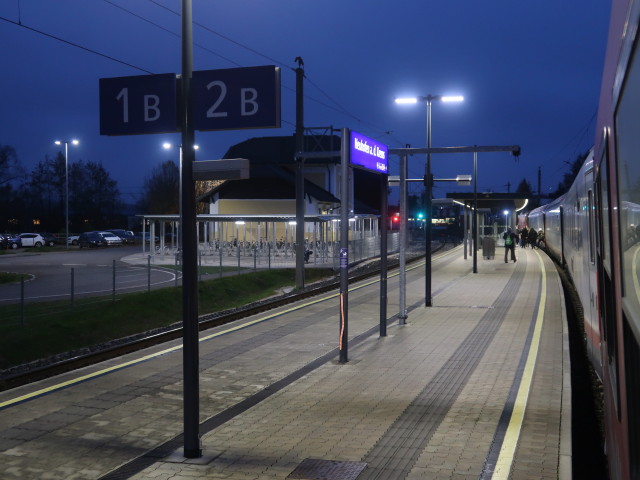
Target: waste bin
488 248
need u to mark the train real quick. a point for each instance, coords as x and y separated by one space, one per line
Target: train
594 232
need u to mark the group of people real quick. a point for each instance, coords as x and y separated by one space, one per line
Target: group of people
525 236
528 236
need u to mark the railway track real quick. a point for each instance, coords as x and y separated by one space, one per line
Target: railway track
207 321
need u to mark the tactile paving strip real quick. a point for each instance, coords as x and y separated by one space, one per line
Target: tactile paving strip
316 469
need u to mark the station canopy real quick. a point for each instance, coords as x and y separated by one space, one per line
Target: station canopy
495 202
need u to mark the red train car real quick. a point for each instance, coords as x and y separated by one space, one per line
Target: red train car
617 192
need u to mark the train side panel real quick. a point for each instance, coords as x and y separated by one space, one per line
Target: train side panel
617 189
579 251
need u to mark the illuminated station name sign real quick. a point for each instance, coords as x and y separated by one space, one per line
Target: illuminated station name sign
369 154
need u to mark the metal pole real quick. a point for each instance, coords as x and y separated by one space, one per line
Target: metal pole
72 285
466 229
192 447
66 192
300 206
429 211
344 249
384 186
474 220
22 300
402 310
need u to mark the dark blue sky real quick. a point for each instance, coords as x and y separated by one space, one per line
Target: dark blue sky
529 71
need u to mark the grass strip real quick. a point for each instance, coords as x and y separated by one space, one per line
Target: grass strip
54 327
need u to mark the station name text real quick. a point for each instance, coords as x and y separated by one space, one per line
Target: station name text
369 150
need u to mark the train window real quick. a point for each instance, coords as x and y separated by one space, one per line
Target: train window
628 173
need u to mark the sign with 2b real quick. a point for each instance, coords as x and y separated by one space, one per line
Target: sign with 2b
236 98
228 99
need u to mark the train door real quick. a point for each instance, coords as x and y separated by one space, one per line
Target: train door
594 343
606 296
607 316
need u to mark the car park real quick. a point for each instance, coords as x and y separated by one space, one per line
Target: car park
126 235
91 240
31 239
111 238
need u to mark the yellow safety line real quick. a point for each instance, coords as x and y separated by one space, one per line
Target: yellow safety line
512 435
89 376
120 366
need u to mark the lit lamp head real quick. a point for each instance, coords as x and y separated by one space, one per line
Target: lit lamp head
406 101
72 142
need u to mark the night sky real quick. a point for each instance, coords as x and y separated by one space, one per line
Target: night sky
529 71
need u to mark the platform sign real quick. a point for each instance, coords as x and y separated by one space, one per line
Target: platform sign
368 154
344 258
226 99
138 105
236 98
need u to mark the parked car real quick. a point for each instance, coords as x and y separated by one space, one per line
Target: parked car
73 239
49 239
126 235
91 240
111 238
31 239
15 241
147 237
4 240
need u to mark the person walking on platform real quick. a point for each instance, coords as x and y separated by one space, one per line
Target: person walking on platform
510 240
533 237
524 236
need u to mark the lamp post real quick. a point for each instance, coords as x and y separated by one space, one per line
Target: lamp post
428 182
66 185
506 224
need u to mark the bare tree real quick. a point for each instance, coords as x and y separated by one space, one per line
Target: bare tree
10 168
161 190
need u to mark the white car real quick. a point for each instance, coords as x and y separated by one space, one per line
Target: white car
111 238
31 239
73 239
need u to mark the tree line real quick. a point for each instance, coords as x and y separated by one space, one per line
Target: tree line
36 200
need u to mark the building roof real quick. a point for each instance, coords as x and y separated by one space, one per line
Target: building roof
267 182
281 150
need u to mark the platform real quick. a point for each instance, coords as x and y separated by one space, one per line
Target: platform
475 387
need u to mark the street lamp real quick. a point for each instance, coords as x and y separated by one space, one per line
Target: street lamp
428 181
506 224
66 184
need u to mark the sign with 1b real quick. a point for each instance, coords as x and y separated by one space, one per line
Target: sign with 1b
138 105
